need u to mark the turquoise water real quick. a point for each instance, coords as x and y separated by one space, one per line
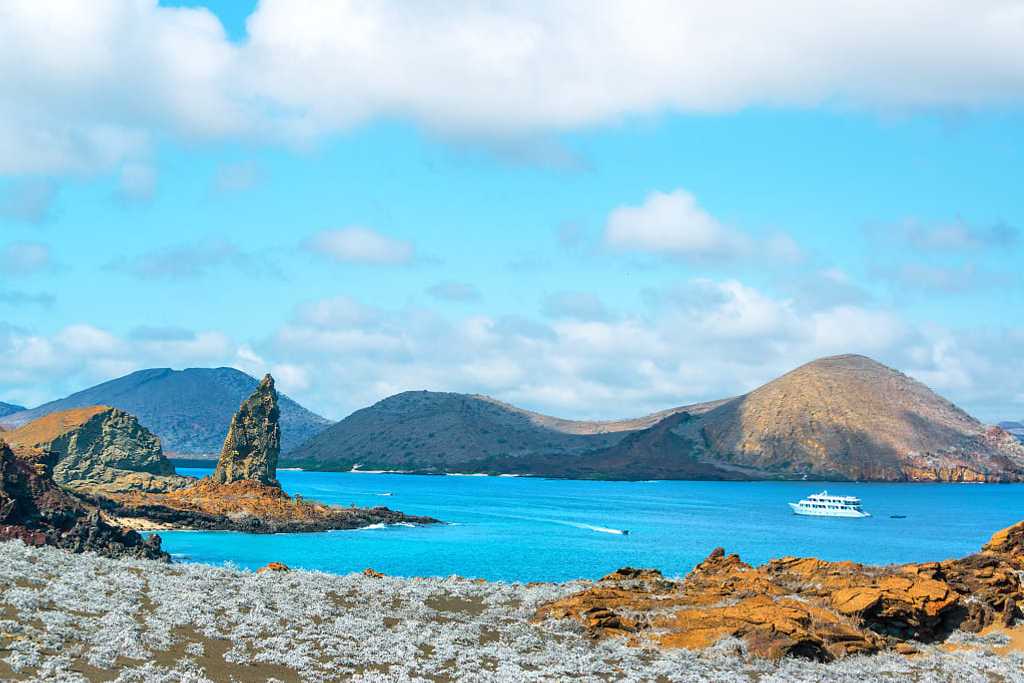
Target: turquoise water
549 530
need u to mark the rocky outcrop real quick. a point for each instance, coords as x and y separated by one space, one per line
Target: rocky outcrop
98 449
253 442
243 494
803 606
35 510
247 506
187 409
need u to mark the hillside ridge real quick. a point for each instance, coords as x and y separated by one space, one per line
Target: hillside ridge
188 409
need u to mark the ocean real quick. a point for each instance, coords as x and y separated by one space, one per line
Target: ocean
527 529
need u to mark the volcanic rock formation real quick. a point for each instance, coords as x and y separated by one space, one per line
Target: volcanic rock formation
98 449
253 442
35 510
803 606
187 409
243 494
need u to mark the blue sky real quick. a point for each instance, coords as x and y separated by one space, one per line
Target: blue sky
307 194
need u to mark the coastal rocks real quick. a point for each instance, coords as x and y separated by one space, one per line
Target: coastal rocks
97 449
35 510
253 442
273 567
243 493
247 506
1010 543
804 607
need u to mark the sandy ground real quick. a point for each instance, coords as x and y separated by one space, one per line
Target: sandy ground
67 617
141 524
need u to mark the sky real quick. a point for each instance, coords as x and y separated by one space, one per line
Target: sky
592 210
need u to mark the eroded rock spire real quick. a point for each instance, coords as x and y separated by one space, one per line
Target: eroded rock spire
254 439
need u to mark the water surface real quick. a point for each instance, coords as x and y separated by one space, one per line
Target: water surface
527 529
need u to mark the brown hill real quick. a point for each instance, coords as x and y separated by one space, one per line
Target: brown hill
437 431
98 448
843 417
849 417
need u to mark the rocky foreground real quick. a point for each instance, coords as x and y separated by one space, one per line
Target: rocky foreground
74 617
804 607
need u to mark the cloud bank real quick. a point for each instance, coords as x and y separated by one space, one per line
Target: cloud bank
88 84
698 340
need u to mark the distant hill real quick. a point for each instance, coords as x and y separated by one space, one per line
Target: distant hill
188 409
432 431
9 409
849 417
843 417
1014 427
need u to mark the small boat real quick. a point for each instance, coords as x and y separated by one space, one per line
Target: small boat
825 505
386 493
897 516
625 532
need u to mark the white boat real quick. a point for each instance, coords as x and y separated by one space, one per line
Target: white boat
825 505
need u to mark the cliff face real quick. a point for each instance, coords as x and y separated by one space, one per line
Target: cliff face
35 510
849 417
253 442
98 448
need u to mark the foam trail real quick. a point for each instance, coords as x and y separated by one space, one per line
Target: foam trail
601 529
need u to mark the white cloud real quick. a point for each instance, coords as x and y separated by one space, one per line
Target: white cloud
238 177
575 305
28 200
137 182
701 340
454 291
361 245
23 258
672 223
89 84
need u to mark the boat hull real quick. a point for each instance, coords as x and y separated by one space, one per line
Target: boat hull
812 512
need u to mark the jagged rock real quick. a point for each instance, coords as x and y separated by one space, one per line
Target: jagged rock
98 449
243 494
253 442
36 511
273 567
803 606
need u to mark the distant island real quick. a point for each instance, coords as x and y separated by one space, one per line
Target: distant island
838 418
188 409
845 418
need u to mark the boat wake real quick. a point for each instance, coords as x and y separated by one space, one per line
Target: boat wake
599 529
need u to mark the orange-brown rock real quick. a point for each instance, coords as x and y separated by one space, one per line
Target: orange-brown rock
1009 542
246 506
372 573
273 567
804 606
